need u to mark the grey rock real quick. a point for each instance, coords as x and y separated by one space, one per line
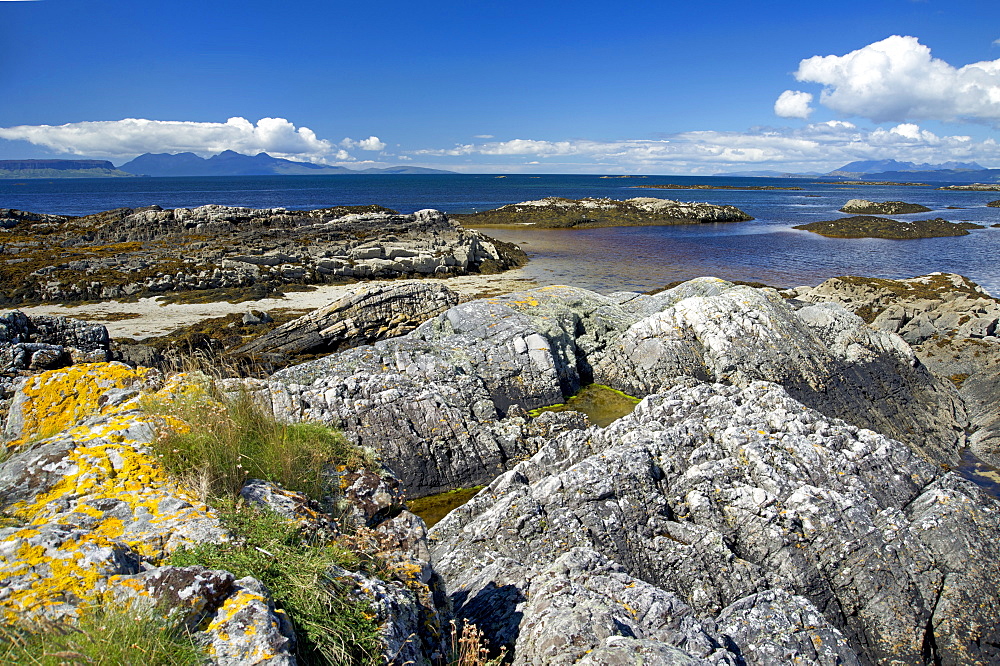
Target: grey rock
362 316
716 494
248 629
823 355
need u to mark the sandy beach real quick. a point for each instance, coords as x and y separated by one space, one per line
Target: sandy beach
147 317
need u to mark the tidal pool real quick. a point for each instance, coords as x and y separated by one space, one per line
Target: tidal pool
983 475
435 507
601 404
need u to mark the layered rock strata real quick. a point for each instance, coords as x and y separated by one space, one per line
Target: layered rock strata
365 315
150 251
445 405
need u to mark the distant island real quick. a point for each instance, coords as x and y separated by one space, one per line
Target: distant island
889 171
60 169
226 163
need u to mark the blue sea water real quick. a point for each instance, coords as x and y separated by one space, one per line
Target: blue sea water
766 249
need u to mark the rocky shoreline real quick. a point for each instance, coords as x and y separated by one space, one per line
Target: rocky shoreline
783 493
214 253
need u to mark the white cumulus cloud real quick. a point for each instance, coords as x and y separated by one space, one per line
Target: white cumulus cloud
124 139
897 80
371 143
793 104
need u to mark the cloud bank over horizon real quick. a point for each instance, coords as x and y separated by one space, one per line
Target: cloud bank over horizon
897 80
816 147
127 138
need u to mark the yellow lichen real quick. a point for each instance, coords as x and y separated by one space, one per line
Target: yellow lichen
105 463
58 399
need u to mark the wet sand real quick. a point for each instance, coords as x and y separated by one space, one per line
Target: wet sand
149 318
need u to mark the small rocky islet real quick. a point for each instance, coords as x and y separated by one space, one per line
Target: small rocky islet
784 492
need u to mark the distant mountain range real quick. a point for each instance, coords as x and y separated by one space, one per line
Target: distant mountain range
227 163
892 171
230 163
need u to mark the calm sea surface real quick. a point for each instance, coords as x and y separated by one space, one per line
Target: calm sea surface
625 258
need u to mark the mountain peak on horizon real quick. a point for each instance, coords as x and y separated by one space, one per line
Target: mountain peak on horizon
879 166
232 163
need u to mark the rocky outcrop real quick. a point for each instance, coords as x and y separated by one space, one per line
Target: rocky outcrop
865 207
43 342
363 316
150 251
994 204
867 226
556 212
719 524
445 405
952 324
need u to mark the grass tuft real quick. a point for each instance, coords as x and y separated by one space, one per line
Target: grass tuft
218 441
103 636
330 626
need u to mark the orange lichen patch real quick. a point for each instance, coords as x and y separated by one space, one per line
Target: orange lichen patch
57 399
68 546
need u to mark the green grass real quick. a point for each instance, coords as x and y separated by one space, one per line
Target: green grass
330 627
231 439
102 636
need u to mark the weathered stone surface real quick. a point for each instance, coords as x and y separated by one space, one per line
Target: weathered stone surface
822 355
363 316
248 629
865 207
952 324
718 495
441 405
938 304
293 506
31 344
410 628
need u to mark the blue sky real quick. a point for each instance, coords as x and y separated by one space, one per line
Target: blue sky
543 86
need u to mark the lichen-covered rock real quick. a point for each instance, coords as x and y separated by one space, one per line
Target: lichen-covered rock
190 592
293 506
363 316
90 501
409 624
247 629
716 494
52 401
